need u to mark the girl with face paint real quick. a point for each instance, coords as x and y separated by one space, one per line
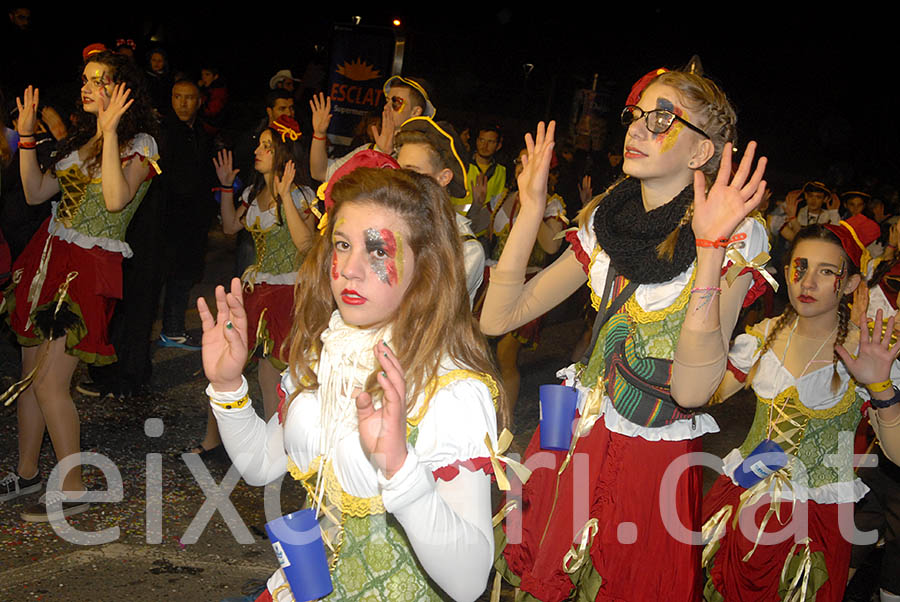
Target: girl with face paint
276 208
388 402
810 392
69 277
653 247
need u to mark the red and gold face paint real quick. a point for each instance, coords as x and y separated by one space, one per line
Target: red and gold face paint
381 245
668 138
334 269
839 280
798 269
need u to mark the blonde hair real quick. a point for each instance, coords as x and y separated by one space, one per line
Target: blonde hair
711 111
433 322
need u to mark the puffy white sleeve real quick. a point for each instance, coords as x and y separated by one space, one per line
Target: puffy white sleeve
255 447
448 519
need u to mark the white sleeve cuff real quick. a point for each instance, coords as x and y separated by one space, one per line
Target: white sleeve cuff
227 396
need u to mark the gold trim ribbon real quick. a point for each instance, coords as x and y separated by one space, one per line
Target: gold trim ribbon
503 443
579 555
713 530
780 483
758 264
801 577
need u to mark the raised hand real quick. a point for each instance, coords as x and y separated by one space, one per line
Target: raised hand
585 192
224 338
285 182
223 163
54 122
536 167
382 432
792 202
872 363
28 106
719 212
479 190
320 105
833 202
112 109
384 138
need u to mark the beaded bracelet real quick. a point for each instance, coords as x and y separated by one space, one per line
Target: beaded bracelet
232 405
879 387
881 404
704 289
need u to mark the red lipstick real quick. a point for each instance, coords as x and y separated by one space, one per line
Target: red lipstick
351 297
806 299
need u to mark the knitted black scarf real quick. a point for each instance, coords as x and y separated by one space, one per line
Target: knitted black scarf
629 234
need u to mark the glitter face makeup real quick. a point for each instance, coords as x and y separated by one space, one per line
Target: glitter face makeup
669 137
798 269
370 268
839 280
382 249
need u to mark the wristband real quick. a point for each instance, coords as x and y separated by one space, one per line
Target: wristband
27 145
319 137
720 242
232 405
704 289
882 404
879 387
26 135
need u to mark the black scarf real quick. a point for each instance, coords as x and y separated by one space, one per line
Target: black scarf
629 234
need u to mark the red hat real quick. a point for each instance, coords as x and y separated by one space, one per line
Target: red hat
640 85
855 234
92 49
366 158
287 126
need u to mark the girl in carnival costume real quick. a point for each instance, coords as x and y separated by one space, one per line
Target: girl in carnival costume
387 415
653 250
282 233
811 394
67 280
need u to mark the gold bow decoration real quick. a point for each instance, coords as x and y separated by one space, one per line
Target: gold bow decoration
497 460
589 415
504 511
576 557
758 264
801 577
779 483
712 531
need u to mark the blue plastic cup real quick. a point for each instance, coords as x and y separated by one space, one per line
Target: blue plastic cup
558 403
298 546
766 458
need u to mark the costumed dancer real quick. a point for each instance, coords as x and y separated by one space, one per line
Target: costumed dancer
653 251
277 210
66 282
503 215
388 412
880 508
810 396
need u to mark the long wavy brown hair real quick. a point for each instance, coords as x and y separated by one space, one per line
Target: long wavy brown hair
434 322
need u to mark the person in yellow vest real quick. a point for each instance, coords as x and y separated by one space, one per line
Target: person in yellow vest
486 179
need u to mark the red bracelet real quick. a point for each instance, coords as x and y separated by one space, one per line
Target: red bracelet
319 137
27 145
720 242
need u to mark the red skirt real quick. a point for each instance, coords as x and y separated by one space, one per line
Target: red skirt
617 480
89 299
277 300
758 579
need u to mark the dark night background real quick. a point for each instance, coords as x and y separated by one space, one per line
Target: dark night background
811 85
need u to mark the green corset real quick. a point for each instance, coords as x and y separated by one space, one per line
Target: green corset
275 250
83 209
810 435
